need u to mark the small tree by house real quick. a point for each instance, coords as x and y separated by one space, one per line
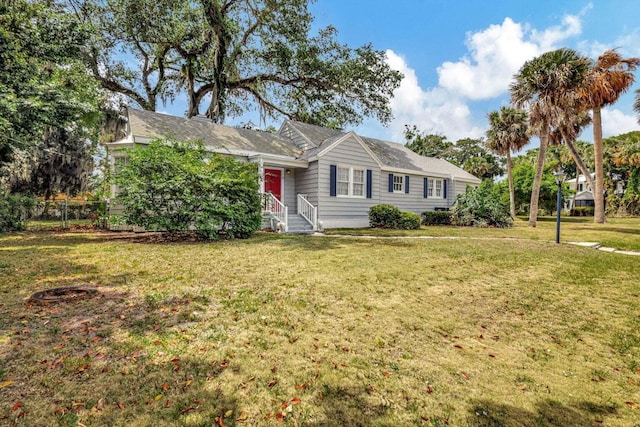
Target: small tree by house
178 186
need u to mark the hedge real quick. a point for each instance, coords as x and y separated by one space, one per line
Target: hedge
436 218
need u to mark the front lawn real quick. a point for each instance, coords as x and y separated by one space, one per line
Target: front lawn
620 233
321 331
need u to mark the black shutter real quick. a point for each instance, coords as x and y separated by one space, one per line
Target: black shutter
369 184
390 183
333 182
444 188
425 190
406 184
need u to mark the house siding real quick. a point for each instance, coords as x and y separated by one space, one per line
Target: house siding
307 183
337 212
414 200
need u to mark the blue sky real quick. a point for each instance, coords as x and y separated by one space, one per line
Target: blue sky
458 57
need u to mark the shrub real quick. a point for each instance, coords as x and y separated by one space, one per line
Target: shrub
14 210
408 221
384 216
582 211
479 207
387 216
436 218
178 186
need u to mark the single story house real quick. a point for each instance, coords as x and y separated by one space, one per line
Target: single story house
314 177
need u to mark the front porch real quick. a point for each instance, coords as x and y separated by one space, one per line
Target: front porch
278 217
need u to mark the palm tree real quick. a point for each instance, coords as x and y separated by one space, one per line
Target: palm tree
547 85
569 126
508 132
636 104
610 77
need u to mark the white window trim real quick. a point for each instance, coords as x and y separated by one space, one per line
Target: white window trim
400 182
351 182
431 190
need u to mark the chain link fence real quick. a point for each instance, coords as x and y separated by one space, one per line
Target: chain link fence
67 214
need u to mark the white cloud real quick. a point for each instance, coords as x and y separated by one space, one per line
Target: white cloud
495 55
615 122
433 110
627 44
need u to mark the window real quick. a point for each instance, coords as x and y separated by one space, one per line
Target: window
350 182
343 181
398 183
435 188
358 183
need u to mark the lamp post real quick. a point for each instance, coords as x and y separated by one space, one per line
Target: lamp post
559 175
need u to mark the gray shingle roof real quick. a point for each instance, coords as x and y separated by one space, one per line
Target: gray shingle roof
390 154
148 124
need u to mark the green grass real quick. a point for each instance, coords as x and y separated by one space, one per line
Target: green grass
501 329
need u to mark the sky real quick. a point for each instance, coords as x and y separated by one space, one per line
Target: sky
459 57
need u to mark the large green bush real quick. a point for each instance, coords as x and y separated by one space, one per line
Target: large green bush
481 207
388 216
14 211
179 186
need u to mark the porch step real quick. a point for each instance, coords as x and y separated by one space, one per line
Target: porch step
298 225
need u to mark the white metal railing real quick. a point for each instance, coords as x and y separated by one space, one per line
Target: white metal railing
274 207
308 211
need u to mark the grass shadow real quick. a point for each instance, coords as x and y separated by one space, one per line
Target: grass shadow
547 413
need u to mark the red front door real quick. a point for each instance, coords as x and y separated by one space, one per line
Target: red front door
273 182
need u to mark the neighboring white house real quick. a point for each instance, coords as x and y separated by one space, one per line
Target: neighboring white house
584 192
314 177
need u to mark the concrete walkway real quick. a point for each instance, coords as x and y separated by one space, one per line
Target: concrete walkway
598 246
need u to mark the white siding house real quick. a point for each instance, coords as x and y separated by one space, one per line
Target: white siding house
314 177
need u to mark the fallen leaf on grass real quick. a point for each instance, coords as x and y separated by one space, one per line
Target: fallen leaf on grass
16 405
5 384
458 346
187 410
386 374
272 383
165 386
220 421
295 401
120 405
167 404
301 386
465 375
58 346
634 405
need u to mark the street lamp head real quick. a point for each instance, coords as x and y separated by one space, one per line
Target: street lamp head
559 175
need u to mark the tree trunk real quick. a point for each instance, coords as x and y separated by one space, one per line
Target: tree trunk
584 170
537 181
512 191
598 149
